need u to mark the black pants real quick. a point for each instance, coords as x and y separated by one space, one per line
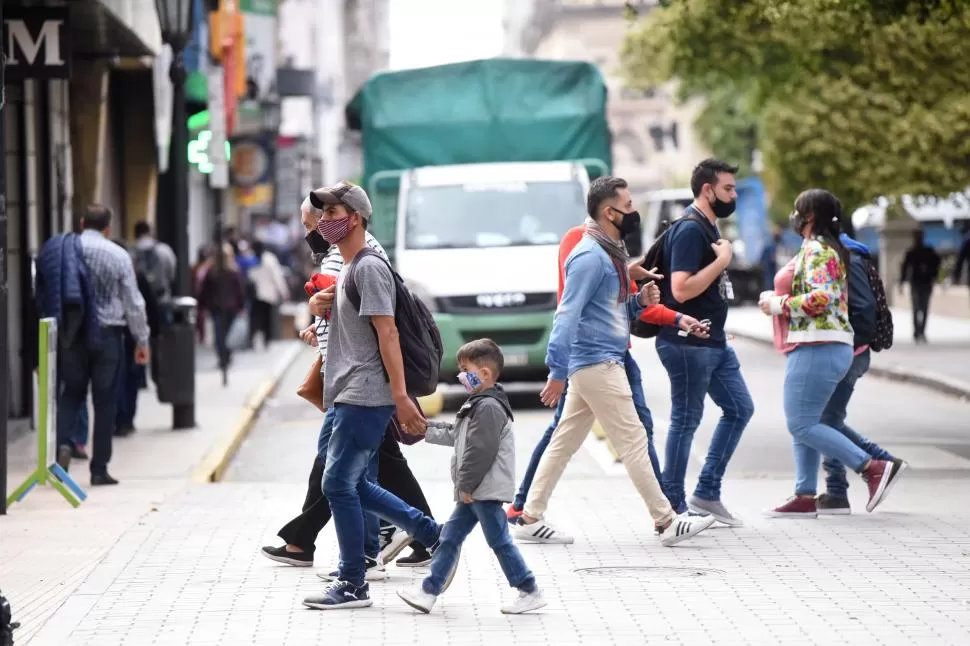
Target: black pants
393 474
920 294
79 366
261 320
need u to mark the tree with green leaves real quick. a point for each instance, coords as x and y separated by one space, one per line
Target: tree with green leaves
862 97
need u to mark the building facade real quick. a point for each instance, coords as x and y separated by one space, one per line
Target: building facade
78 129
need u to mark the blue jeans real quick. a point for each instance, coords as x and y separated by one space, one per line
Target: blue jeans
372 526
639 402
347 483
696 372
812 374
834 415
131 379
463 520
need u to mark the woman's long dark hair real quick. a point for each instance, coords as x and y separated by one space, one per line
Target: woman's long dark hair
827 222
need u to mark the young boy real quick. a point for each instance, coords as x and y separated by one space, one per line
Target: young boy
483 470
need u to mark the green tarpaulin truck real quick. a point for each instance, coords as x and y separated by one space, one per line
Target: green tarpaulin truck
475 171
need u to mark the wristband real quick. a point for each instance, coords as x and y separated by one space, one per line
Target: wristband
677 319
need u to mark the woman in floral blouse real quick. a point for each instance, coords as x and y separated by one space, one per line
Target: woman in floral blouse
810 306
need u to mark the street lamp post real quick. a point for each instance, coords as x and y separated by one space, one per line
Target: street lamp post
175 19
270 112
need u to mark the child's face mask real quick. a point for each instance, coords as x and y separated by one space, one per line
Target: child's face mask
470 381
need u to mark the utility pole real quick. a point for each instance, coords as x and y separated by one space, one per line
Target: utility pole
4 312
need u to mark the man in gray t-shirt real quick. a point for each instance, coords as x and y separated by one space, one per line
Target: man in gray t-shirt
364 386
355 371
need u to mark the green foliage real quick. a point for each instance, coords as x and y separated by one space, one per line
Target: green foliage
863 97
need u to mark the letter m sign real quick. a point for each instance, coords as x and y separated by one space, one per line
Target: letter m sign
37 42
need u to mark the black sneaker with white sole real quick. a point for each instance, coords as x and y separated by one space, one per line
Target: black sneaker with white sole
340 594
375 571
419 557
281 555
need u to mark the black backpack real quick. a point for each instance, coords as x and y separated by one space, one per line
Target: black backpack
656 257
883 338
421 346
149 264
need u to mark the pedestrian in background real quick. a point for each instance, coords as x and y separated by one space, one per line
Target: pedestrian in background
269 290
204 260
921 269
117 304
223 296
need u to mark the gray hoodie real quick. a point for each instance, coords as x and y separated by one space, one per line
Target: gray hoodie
483 463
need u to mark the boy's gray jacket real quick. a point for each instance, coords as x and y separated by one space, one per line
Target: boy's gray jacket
483 463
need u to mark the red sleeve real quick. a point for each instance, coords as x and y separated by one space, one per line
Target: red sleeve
658 315
566 246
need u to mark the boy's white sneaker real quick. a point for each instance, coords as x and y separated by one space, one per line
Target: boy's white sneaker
539 532
683 527
525 602
418 599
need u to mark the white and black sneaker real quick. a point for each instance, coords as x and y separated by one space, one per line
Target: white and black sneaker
419 557
539 532
683 527
393 542
375 571
281 555
340 594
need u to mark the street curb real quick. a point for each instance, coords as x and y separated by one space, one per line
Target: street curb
932 381
218 458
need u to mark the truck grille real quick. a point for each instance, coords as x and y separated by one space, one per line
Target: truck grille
497 303
505 337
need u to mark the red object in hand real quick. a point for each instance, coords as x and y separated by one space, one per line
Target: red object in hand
318 283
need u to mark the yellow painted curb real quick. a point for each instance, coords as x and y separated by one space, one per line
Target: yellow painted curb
433 404
218 458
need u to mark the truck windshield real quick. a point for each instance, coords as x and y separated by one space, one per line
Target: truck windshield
510 214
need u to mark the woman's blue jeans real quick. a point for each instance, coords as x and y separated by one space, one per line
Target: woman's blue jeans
812 374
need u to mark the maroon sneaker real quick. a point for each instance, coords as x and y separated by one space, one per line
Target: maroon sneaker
796 507
881 475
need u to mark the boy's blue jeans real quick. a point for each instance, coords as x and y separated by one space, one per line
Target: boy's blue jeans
834 415
643 412
496 529
351 463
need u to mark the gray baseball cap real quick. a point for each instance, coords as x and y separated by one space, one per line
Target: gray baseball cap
350 195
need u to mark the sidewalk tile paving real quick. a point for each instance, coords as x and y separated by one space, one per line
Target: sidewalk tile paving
47 548
191 574
947 353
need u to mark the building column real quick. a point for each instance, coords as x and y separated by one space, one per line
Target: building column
89 119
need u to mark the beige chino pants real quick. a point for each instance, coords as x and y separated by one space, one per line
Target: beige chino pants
600 392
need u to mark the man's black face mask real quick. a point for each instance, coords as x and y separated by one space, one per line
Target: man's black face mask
316 242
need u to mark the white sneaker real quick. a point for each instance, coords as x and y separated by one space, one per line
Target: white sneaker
375 571
525 602
684 527
418 599
393 542
540 532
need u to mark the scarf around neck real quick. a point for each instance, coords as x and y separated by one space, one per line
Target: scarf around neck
616 250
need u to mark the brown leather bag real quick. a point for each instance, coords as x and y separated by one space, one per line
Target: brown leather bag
312 387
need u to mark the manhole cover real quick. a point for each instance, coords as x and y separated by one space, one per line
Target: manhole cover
639 572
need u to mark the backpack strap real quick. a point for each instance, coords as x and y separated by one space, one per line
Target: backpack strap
350 284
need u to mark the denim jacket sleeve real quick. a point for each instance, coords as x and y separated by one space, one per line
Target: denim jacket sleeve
583 275
633 307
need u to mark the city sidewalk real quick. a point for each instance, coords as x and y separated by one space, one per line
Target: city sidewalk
48 548
943 364
191 574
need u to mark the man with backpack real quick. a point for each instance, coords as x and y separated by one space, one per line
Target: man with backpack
868 316
695 261
155 261
378 358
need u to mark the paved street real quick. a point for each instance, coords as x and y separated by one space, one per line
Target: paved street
190 573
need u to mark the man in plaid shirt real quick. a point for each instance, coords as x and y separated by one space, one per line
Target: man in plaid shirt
118 304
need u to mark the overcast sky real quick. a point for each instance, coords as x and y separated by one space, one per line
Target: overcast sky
435 32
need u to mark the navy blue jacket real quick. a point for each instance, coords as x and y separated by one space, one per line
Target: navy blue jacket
862 302
63 290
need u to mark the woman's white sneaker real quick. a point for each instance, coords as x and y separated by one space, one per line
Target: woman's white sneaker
525 602
539 532
683 527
